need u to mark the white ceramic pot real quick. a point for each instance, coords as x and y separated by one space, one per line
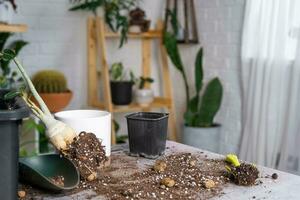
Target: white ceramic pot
94 121
203 138
6 12
144 96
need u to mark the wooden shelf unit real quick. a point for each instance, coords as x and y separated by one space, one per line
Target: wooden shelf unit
97 36
16 28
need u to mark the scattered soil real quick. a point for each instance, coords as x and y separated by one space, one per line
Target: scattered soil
58 180
88 154
178 180
245 174
185 176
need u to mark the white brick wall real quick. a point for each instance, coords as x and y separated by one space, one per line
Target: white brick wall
58 40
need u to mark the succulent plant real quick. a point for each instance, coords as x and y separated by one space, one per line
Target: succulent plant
50 81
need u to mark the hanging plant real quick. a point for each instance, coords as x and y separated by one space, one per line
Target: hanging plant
115 13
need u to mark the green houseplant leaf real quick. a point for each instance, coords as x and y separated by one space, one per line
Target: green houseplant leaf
170 43
198 71
210 104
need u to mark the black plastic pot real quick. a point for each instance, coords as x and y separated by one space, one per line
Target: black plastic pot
10 121
147 132
121 92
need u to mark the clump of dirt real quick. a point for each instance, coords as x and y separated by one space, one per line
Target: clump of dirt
88 154
245 174
58 180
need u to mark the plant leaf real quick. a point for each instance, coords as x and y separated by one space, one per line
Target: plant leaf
210 104
8 54
12 95
194 104
170 43
17 46
3 39
199 71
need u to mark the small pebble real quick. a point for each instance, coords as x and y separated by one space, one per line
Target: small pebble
91 177
167 182
274 176
192 163
160 166
21 193
208 184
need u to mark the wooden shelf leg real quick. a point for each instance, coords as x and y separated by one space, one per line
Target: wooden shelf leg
101 46
167 86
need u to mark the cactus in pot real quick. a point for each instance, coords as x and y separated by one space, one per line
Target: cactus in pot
52 87
50 81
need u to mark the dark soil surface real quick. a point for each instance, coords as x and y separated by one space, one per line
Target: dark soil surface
88 154
245 174
58 180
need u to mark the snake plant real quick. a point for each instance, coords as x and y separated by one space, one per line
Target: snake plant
200 110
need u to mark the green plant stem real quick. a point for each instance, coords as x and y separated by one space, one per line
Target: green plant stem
32 89
187 90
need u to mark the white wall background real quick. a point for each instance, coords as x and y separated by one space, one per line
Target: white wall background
58 41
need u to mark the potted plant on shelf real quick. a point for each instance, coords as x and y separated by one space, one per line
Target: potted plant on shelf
7 8
114 12
120 85
52 87
143 96
9 78
199 130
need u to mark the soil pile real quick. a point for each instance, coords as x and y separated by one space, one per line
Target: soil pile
245 174
88 154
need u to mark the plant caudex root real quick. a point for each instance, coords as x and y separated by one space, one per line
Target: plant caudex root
241 174
59 133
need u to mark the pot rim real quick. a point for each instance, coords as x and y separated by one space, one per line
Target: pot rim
86 114
56 93
135 116
215 125
122 82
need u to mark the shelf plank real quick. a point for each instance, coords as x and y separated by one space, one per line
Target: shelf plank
14 28
149 34
159 102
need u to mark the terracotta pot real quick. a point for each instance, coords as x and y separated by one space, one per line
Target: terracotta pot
56 101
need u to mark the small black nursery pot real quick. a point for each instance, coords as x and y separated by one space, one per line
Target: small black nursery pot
147 132
121 92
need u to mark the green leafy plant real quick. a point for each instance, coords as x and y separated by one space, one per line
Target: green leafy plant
8 76
173 20
115 13
118 72
200 111
50 81
141 81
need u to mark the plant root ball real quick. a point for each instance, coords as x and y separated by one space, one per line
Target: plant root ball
88 154
245 174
